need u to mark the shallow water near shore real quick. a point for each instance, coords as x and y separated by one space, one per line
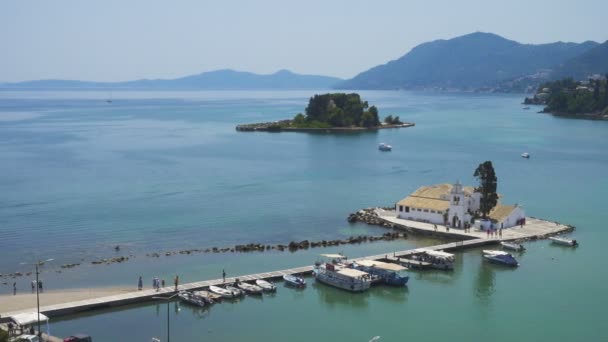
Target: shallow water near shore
166 171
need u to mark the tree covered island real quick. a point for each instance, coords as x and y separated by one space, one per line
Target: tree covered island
336 111
584 99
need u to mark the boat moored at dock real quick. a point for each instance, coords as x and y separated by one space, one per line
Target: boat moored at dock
563 241
294 281
513 246
387 273
438 259
208 297
342 277
236 291
249 288
265 285
192 298
221 291
499 257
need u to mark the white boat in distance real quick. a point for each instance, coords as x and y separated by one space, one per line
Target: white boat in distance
513 246
385 147
525 155
562 241
266 286
499 257
222 292
250 288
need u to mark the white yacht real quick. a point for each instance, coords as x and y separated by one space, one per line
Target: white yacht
500 257
525 155
222 292
562 241
266 286
512 246
385 147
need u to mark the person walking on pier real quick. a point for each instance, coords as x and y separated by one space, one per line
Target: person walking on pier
224 275
162 283
500 232
14 288
176 281
140 283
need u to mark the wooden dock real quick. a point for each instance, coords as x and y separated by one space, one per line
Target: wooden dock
533 229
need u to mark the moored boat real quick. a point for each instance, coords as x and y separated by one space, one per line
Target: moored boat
192 298
388 273
266 286
250 288
499 257
294 281
525 155
513 246
563 241
222 292
208 297
385 147
236 291
343 277
438 259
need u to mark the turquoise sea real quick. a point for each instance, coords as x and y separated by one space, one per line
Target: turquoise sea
166 171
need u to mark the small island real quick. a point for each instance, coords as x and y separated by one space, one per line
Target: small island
578 99
331 112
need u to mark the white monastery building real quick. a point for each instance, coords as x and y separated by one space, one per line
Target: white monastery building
431 203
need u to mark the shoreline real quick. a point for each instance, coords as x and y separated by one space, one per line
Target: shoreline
275 127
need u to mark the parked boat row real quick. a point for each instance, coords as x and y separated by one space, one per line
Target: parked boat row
387 273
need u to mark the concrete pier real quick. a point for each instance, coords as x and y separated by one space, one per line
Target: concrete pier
533 229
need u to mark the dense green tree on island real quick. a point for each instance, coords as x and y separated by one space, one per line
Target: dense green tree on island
389 120
337 110
488 184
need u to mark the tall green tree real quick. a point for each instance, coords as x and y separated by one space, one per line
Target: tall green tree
488 183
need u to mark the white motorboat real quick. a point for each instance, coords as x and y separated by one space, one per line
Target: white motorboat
250 288
499 257
222 292
294 281
266 286
562 241
525 155
236 291
192 298
209 297
438 259
385 147
343 277
513 246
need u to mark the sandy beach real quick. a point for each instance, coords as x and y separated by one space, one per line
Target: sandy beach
23 301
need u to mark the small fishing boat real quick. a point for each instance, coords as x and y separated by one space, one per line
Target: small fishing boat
250 288
294 281
222 292
385 147
499 257
236 291
525 155
191 298
266 286
209 297
513 246
526 108
562 241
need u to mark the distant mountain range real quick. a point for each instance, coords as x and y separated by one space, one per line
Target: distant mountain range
217 80
476 61
481 61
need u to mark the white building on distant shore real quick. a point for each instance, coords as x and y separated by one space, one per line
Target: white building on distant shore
456 205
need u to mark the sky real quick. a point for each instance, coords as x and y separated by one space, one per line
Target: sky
118 40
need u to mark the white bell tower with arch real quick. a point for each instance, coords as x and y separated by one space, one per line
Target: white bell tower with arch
457 210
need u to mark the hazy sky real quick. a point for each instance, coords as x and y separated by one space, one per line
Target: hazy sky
115 40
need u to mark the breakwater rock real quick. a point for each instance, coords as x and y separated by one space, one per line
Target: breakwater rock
369 216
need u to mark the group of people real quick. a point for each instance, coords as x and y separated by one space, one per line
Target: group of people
493 232
156 283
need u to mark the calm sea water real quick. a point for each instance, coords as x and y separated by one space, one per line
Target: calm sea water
157 172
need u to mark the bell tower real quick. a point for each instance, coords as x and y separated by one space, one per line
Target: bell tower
457 206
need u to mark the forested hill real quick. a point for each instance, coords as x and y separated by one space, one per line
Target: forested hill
588 99
472 61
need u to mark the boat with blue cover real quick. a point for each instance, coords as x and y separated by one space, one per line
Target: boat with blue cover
294 281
